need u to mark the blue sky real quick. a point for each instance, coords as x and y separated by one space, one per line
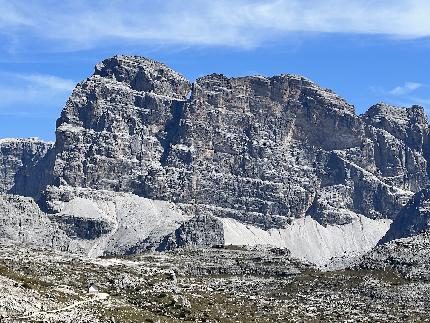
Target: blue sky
367 51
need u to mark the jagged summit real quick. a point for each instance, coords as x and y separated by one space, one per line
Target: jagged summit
147 75
143 74
281 88
384 113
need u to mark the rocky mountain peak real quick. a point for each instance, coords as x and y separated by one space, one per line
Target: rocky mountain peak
410 125
280 88
245 157
142 74
382 113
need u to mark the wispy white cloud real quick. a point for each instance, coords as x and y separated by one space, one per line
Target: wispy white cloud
421 101
51 82
406 88
10 17
20 93
85 24
407 94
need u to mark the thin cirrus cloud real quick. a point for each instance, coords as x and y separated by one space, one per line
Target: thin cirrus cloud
20 91
87 24
406 88
407 94
50 82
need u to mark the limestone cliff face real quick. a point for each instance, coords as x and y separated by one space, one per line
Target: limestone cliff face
240 145
23 222
413 218
115 124
25 166
401 144
260 150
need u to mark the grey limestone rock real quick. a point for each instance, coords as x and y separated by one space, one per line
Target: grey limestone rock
26 166
200 231
409 256
116 124
23 222
111 223
413 218
260 150
401 144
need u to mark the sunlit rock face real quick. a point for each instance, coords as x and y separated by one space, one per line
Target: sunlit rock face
255 154
23 222
116 123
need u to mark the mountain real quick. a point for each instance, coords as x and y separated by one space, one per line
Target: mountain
26 166
413 219
143 159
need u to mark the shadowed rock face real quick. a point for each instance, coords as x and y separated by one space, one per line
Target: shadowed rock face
88 229
202 230
401 144
413 218
25 166
264 151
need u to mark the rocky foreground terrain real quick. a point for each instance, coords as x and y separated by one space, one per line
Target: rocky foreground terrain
201 285
227 199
